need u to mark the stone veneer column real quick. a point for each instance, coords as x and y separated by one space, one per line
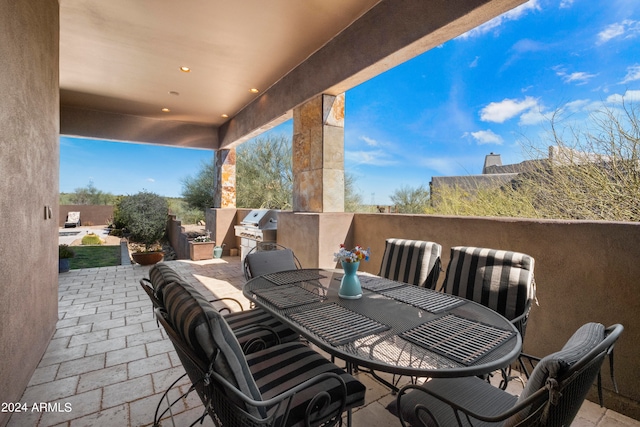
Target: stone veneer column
225 179
318 155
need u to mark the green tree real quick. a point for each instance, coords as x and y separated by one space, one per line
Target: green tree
144 215
198 191
90 195
411 200
264 173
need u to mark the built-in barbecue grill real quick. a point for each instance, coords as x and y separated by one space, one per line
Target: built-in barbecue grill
260 225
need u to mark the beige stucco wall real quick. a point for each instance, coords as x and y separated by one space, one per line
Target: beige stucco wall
29 163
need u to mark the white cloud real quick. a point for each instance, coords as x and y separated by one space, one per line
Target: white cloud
630 95
626 29
499 112
577 105
373 157
474 63
369 141
579 77
565 4
633 74
512 15
151 180
532 117
486 137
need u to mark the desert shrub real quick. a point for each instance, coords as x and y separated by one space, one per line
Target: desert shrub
144 215
64 251
91 239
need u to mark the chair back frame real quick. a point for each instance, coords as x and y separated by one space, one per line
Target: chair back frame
554 405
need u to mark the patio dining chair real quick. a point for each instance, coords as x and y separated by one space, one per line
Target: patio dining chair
267 257
411 261
284 385
552 397
500 280
254 328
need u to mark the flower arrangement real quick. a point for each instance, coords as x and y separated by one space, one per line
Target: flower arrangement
203 238
354 255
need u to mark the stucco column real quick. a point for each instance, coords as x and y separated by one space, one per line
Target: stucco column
225 179
318 155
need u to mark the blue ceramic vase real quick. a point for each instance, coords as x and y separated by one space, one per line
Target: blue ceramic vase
350 284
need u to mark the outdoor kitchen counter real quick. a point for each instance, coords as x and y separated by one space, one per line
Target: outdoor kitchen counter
395 327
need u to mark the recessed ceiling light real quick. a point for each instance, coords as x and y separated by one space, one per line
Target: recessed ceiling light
165 110
254 90
185 69
224 115
173 92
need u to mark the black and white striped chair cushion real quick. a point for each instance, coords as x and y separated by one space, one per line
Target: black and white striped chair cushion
500 280
161 274
261 375
206 332
411 261
296 364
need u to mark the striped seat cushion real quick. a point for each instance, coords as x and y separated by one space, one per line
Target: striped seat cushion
500 280
239 321
206 332
411 261
161 274
295 364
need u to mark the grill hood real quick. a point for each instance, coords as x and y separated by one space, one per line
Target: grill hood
264 219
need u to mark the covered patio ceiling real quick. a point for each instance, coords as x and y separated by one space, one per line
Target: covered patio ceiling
120 60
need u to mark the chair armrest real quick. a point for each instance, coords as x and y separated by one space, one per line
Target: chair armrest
227 299
257 343
148 288
316 409
536 399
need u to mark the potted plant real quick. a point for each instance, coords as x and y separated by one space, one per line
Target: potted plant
65 253
145 218
201 247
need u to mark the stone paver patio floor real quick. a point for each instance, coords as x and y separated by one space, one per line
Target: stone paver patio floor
108 362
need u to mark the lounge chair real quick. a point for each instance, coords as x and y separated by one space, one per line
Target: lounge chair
73 220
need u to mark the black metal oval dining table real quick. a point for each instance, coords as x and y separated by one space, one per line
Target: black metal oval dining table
394 327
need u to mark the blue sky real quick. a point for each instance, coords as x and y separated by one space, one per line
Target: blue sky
440 113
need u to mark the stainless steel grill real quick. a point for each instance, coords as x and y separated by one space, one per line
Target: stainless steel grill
260 225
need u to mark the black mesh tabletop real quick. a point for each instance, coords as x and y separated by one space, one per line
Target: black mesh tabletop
425 299
457 338
288 296
294 276
375 283
337 325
